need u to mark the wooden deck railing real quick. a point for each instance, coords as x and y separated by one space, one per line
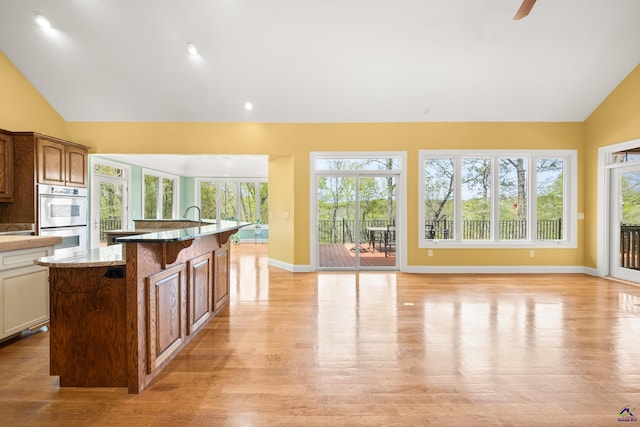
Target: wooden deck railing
481 229
630 246
107 225
342 231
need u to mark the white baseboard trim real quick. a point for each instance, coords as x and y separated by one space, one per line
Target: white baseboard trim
592 272
476 269
290 267
494 269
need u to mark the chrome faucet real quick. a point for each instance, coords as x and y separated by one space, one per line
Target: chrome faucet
199 214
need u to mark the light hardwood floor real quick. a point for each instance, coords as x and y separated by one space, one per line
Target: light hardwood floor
388 349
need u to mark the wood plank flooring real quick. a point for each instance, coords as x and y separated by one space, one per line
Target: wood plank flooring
334 349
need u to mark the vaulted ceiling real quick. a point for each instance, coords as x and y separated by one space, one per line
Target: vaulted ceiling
322 60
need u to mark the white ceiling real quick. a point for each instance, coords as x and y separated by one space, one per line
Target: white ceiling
323 60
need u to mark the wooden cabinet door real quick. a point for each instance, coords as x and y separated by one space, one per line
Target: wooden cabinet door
166 315
51 162
6 167
24 299
76 170
199 291
221 273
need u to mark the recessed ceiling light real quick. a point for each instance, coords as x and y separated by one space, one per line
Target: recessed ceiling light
192 49
42 21
248 106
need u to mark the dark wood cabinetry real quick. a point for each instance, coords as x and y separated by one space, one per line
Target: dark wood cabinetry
6 167
88 345
200 295
221 268
37 159
77 165
61 162
51 168
121 322
166 305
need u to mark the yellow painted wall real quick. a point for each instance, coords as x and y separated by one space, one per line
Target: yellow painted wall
281 209
616 120
289 146
298 140
22 107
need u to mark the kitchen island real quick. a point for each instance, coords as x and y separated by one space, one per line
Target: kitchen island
121 313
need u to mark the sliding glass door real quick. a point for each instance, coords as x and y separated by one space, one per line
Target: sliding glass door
357 216
625 222
337 240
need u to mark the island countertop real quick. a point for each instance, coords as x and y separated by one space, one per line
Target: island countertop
98 257
115 255
182 234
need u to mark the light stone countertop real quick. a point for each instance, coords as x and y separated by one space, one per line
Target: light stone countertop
14 243
99 257
114 255
182 234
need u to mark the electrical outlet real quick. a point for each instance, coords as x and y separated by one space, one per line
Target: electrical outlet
532 253
430 252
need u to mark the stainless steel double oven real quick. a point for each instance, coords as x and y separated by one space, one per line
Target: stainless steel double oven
63 211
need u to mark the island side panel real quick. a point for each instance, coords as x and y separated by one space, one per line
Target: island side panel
88 327
199 291
142 261
145 262
221 270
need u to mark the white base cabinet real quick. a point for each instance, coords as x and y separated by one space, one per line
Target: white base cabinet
24 291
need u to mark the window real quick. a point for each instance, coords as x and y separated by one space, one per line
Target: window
228 207
263 202
364 163
488 198
625 156
160 195
208 199
108 170
243 200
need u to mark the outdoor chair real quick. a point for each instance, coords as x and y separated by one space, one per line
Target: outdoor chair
389 239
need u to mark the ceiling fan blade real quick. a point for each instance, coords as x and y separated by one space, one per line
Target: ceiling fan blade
524 10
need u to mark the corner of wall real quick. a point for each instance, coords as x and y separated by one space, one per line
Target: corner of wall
28 109
281 202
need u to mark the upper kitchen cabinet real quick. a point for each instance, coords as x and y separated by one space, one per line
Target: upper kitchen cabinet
40 159
6 167
61 162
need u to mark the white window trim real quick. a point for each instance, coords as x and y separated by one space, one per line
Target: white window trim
604 189
400 156
126 180
570 196
400 194
176 192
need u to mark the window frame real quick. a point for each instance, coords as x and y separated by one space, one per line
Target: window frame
257 182
159 207
570 201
